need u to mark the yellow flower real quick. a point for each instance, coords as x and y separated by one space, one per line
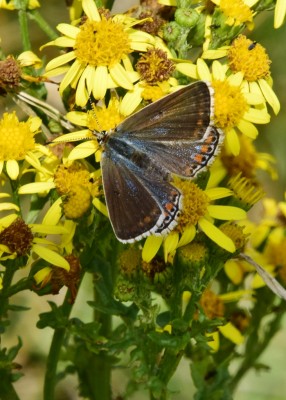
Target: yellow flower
13 5
214 306
16 142
237 11
77 189
28 58
197 213
247 161
94 121
59 277
19 239
251 59
99 55
236 111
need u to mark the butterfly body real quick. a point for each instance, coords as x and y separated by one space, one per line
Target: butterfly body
172 136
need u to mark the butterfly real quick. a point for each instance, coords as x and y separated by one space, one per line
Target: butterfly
173 136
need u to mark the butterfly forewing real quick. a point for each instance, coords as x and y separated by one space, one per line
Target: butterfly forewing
185 113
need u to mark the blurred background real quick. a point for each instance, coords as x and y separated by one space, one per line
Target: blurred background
271 384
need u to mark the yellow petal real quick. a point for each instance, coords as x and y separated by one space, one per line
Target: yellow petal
216 235
83 150
60 60
232 142
187 236
120 76
77 118
68 30
279 13
269 95
51 256
215 54
12 168
72 76
248 129
233 271
99 86
100 206
170 244
230 332
8 206
218 71
54 213
236 295
151 247
188 69
74 136
226 212
257 116
235 79
48 229
214 342
41 275
203 70
131 101
91 10
218 193
36 187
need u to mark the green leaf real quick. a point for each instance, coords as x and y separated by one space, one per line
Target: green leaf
164 339
55 318
15 307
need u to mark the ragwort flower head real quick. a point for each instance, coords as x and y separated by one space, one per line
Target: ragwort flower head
252 60
16 141
100 54
19 239
237 12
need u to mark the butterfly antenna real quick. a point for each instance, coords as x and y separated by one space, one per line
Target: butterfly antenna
95 116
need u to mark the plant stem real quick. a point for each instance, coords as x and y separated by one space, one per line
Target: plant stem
42 23
54 354
99 370
23 22
250 358
7 391
7 280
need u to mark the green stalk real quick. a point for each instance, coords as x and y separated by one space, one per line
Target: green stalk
42 23
7 280
7 391
54 354
250 358
23 22
98 368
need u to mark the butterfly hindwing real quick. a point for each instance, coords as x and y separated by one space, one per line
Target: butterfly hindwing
138 205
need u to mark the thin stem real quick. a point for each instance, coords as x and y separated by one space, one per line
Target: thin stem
7 280
42 23
23 22
54 354
109 4
99 371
